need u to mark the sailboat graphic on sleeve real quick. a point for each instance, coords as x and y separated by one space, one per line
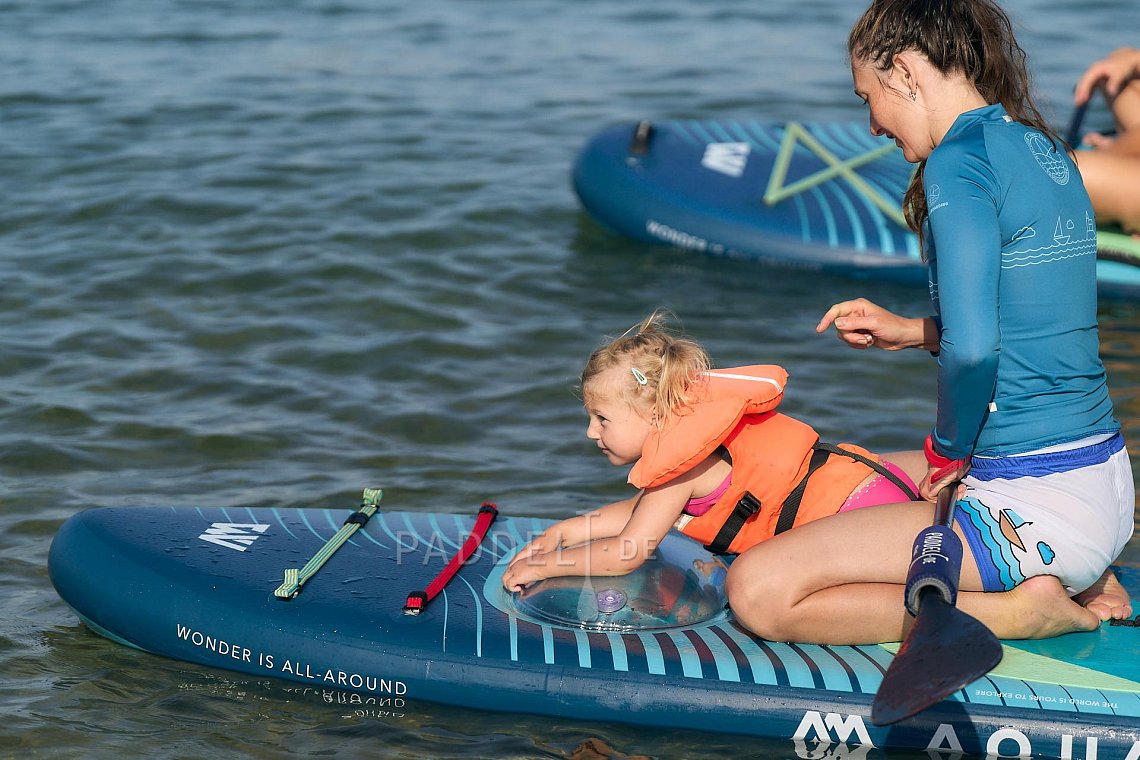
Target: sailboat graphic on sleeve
1067 242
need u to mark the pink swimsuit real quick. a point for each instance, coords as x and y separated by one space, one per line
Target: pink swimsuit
880 490
698 505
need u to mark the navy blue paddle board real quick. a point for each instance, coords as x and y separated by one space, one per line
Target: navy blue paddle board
657 647
821 196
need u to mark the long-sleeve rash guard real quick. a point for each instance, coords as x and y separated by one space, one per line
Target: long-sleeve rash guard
1011 245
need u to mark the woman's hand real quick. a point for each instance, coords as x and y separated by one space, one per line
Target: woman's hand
862 324
937 478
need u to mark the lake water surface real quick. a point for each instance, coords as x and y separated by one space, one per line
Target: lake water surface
270 253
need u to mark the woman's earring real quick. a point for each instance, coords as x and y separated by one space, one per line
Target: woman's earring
913 94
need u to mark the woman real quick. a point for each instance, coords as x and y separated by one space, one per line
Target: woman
1024 414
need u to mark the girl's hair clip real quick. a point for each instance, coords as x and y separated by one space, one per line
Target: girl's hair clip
639 376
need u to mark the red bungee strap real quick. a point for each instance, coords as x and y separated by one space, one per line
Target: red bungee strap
417 600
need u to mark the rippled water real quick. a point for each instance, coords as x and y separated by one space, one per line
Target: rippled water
270 253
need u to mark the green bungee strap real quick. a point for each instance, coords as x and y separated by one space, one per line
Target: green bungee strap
295 579
794 132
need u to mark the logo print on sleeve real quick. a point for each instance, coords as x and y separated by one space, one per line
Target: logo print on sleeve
1048 157
933 194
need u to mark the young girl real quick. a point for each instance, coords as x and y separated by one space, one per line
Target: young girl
1024 416
710 455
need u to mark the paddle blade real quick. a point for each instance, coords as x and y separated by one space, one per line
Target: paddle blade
945 650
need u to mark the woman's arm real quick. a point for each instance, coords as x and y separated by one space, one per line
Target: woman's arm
862 324
966 272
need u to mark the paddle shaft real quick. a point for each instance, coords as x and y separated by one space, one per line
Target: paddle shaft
945 503
936 559
1073 136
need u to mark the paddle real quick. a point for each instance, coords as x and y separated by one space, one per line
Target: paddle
1073 135
946 648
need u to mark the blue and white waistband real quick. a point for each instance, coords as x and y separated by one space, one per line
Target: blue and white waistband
1038 465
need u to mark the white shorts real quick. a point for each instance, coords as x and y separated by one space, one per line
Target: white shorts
1066 513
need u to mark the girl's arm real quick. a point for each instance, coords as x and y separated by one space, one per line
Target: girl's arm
602 522
653 513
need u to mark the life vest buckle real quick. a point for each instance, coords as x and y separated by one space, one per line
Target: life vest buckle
744 509
748 505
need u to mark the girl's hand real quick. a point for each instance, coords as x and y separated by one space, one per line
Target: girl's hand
526 566
545 542
524 571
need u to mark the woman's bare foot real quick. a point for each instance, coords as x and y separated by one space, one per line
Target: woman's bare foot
1037 609
1106 598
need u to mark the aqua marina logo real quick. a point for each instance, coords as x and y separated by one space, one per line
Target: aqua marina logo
238 536
727 158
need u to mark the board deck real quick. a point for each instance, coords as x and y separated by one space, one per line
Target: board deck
821 196
196 584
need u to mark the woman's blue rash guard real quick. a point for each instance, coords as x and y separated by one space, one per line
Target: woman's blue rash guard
1011 245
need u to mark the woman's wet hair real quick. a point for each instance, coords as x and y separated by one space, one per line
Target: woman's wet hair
974 38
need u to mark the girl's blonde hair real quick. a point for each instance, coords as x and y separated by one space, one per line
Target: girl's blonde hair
662 367
973 38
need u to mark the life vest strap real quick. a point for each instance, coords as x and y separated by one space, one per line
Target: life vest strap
878 467
820 453
750 505
791 506
745 508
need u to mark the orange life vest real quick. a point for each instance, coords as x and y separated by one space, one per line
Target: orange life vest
773 457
